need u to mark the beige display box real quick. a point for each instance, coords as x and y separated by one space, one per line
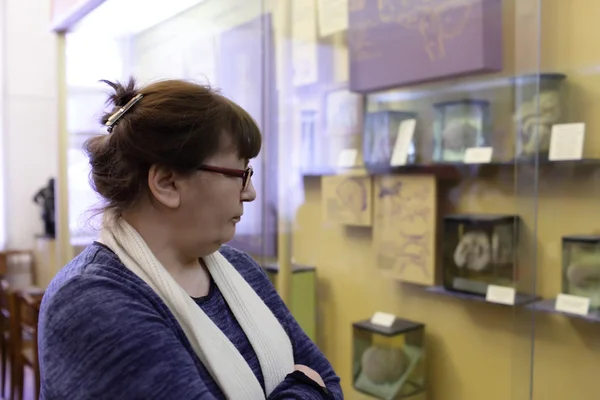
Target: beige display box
348 199
405 227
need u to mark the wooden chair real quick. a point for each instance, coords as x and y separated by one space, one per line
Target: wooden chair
5 347
3 262
24 339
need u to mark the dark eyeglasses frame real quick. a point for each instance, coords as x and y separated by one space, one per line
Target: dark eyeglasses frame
245 174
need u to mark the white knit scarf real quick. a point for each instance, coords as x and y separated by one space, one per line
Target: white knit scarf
224 362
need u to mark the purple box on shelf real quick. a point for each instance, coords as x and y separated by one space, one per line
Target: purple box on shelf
395 43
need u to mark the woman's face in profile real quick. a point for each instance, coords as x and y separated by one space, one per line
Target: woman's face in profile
212 203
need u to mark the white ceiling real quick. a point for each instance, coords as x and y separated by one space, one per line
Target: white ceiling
122 18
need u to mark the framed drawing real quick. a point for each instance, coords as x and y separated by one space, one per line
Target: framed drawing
347 199
405 227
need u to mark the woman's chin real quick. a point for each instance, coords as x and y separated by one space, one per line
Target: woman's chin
229 234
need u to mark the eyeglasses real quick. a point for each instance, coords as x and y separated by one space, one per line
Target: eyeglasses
245 174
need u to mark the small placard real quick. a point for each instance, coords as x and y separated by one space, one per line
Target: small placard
383 319
478 155
501 295
566 142
406 131
347 158
572 304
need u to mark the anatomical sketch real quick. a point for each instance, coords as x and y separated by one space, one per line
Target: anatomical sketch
405 212
347 199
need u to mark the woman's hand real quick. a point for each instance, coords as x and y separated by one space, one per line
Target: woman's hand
311 373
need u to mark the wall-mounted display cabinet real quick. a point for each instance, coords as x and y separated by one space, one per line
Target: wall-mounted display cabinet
432 159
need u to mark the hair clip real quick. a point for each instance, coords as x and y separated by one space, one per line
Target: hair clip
112 120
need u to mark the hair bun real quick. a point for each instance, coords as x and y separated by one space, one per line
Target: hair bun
123 93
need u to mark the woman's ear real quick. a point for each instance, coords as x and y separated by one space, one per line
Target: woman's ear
161 182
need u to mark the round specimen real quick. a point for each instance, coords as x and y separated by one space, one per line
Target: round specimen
384 364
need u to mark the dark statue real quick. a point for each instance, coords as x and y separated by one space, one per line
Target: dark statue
45 198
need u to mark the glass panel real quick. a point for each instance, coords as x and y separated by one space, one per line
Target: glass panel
407 123
226 44
418 173
567 217
90 56
2 135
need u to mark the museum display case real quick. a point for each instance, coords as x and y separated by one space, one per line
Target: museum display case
478 251
388 363
541 105
581 267
460 125
426 159
381 130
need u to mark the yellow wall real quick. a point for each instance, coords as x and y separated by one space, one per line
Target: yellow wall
482 351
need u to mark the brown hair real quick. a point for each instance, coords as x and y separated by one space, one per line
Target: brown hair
177 124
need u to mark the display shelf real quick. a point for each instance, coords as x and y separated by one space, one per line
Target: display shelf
453 170
441 170
567 168
547 306
520 299
585 162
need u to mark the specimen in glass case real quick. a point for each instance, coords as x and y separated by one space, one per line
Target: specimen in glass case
459 125
581 267
379 138
389 362
479 250
540 105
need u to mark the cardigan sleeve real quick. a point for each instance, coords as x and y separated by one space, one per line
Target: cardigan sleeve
305 350
99 340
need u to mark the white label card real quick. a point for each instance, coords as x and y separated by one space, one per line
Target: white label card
478 155
501 295
383 319
406 131
566 142
347 158
572 304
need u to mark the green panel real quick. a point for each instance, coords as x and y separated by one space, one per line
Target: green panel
303 303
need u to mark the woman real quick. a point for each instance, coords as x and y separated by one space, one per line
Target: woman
158 308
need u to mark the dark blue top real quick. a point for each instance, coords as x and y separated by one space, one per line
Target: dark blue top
105 334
